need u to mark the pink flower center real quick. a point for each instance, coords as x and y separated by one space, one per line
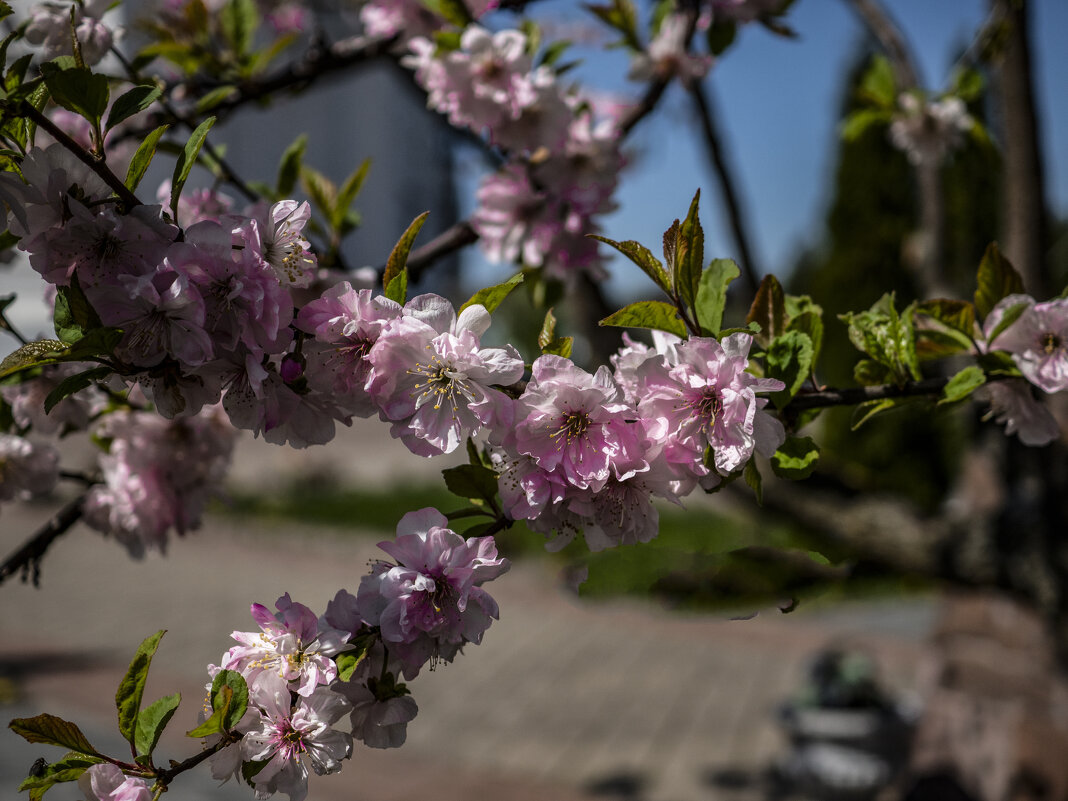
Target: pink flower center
573 425
1050 342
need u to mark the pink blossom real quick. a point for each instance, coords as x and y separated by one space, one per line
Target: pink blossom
39 199
1037 340
433 379
243 300
576 423
290 645
379 722
287 732
161 315
430 603
103 246
50 29
346 324
26 468
158 475
275 235
73 412
667 56
106 782
197 205
1013 405
703 397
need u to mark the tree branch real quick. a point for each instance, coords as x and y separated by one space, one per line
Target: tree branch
128 198
317 62
891 39
27 558
713 140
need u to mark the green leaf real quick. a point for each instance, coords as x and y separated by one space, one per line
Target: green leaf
151 722
78 90
857 124
553 52
471 481
887 336
50 730
143 157
869 409
968 85
548 329
689 256
455 11
809 323
789 359
654 314
348 661
796 458
98 342
768 310
752 477
215 98
66 769
1008 317
870 373
5 10
997 279
133 102
560 346
491 297
641 255
963 384
74 383
238 21
73 313
397 288
132 686
347 194
623 17
398 258
32 354
878 85
956 314
229 694
186 159
712 294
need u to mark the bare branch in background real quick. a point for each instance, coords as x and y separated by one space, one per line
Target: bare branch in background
27 559
727 186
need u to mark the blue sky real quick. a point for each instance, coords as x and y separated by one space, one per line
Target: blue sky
777 102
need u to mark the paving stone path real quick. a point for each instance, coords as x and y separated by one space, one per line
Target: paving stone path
564 700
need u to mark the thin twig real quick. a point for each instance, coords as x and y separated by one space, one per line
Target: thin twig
727 185
459 235
228 173
27 558
128 198
892 41
851 396
317 62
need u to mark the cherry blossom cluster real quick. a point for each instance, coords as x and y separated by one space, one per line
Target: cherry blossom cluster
1037 341
49 29
424 607
563 162
928 130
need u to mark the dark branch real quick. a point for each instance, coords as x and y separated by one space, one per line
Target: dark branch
728 186
317 62
891 40
27 558
459 235
128 198
816 399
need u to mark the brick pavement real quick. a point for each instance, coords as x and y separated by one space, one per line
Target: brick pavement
564 700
